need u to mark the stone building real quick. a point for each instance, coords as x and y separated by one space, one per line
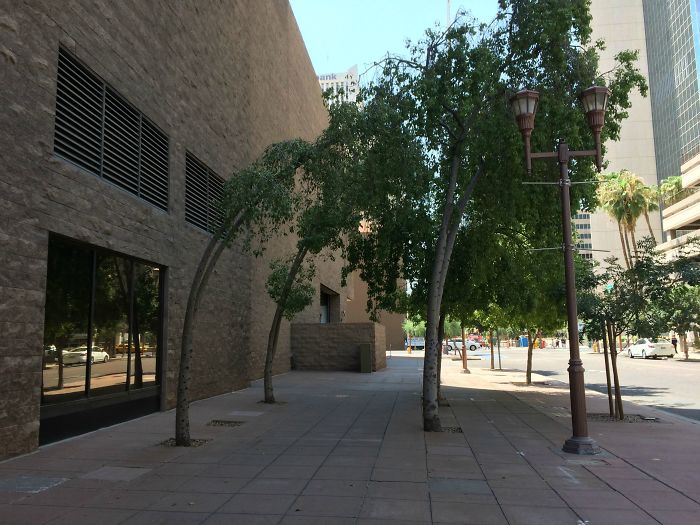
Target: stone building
120 121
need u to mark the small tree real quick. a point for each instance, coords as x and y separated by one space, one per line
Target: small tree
326 213
684 311
256 200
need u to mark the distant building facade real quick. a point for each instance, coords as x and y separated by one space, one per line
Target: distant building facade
344 84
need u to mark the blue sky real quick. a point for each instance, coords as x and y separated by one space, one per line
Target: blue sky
341 33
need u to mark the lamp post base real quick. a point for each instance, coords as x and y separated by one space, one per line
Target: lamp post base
584 446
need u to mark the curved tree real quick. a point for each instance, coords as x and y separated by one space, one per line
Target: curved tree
256 200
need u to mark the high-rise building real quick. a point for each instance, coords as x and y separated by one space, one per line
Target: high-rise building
622 25
673 52
661 137
344 83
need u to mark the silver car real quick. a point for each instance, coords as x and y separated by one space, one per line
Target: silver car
651 347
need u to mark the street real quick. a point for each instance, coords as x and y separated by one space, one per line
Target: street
667 384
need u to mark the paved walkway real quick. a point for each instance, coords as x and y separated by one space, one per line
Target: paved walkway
347 448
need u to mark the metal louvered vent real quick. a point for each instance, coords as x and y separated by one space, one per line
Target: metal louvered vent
203 192
97 129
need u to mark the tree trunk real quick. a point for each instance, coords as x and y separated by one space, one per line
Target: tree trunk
684 343
59 356
616 377
634 245
441 336
498 342
431 419
651 232
629 249
622 242
528 373
451 218
607 373
211 255
138 364
493 362
277 322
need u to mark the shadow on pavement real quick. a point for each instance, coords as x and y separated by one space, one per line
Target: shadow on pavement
630 390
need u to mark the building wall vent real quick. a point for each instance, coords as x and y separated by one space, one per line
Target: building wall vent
203 192
97 129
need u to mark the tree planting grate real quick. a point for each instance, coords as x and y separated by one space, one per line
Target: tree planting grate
170 442
453 430
631 418
224 423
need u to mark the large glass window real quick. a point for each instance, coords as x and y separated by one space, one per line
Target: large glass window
102 325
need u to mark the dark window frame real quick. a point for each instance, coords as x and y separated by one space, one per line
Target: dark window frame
91 399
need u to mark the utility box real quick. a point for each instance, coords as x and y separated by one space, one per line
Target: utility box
365 358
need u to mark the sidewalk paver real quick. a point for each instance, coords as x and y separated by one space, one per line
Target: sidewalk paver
348 448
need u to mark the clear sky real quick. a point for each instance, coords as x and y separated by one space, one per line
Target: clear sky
341 33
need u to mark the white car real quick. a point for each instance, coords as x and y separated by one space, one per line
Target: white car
456 344
651 347
78 356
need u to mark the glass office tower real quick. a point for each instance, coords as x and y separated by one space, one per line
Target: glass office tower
673 52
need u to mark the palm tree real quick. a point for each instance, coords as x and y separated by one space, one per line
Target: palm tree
625 197
611 199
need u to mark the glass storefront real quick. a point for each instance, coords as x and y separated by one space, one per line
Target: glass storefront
102 331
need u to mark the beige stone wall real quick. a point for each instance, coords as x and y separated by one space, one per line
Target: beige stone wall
356 312
621 24
335 346
201 71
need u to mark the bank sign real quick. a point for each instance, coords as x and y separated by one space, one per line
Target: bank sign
327 77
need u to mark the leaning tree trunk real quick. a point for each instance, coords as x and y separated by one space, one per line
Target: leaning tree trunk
634 244
623 239
528 373
684 344
616 377
451 219
277 323
441 337
651 232
211 255
607 373
629 249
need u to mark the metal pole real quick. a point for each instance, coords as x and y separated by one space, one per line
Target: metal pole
580 442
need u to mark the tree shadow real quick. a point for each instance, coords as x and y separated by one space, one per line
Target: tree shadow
641 391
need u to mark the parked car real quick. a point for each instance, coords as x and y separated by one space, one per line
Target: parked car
77 356
472 345
50 351
651 347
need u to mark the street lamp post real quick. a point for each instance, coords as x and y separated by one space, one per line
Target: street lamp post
524 104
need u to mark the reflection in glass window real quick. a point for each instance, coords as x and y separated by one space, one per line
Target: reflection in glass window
146 325
111 319
103 320
68 288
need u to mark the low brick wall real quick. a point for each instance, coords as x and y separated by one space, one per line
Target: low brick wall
336 346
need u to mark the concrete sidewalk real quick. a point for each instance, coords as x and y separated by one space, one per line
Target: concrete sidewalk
347 448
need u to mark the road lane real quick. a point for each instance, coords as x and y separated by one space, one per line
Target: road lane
667 384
